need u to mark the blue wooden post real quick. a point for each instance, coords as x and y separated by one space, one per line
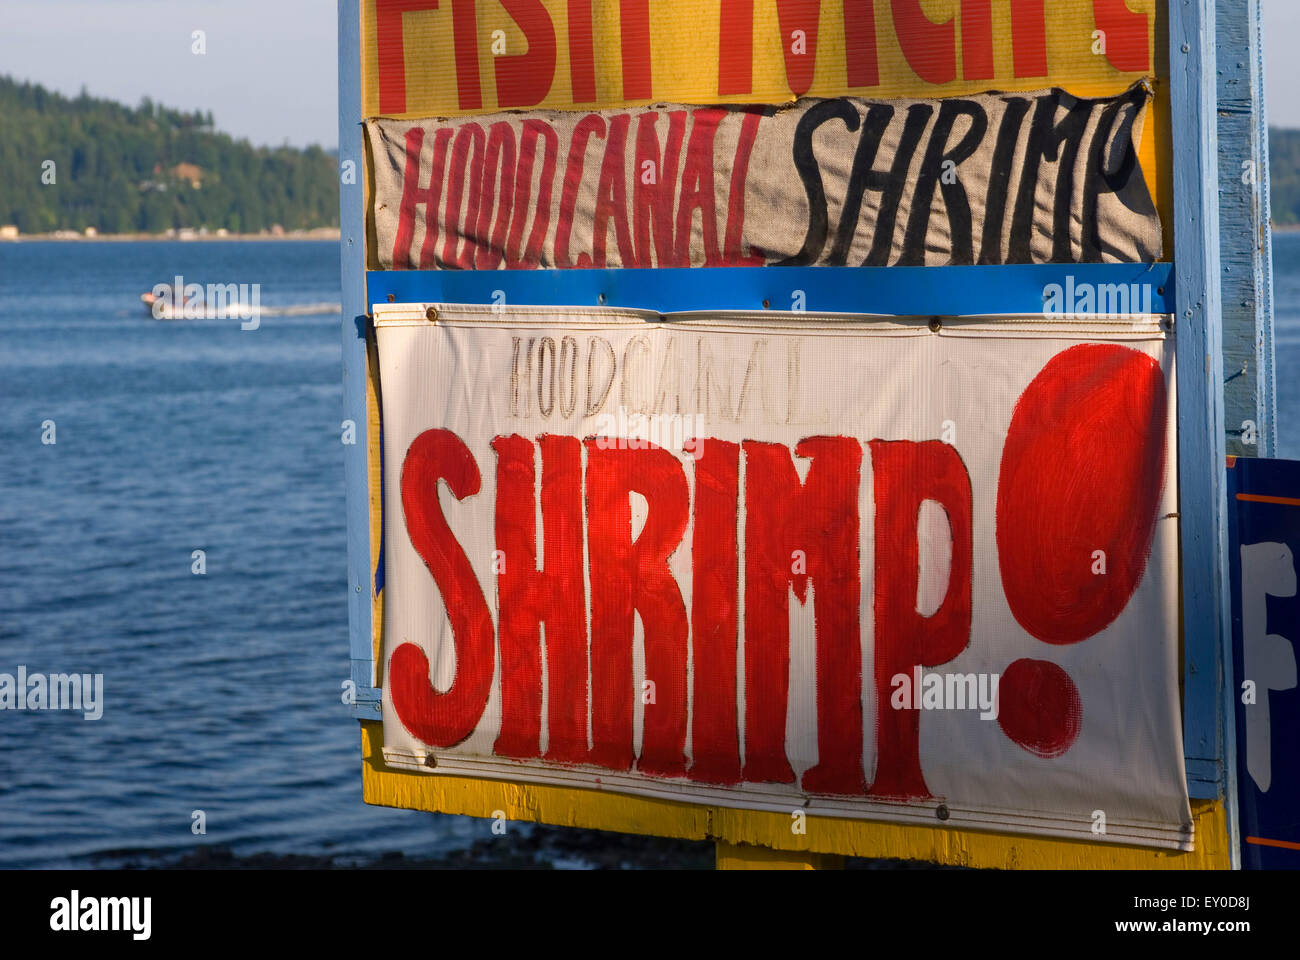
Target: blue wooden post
1201 443
352 246
1245 247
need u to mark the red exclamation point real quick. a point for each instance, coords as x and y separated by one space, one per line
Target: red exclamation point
1082 472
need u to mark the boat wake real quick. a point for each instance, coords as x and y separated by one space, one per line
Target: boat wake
163 306
304 310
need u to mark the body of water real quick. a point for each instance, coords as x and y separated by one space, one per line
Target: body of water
1286 313
221 691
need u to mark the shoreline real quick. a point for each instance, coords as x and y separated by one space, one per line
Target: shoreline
320 234
329 234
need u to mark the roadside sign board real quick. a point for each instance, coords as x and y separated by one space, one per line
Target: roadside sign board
772 409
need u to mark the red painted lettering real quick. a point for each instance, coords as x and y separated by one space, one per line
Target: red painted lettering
1126 35
697 191
736 47
611 199
413 195
860 43
443 719
392 51
799 20
455 254
632 577
525 79
465 37
796 534
634 17
653 201
733 255
591 124
715 736
534 130
495 196
1029 38
554 596
906 474
582 58
930 48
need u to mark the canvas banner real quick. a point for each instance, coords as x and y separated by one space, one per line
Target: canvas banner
1043 177
904 570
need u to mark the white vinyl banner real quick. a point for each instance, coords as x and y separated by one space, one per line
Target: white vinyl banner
912 570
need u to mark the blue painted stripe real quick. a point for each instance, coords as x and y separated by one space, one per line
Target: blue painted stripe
1207 673
353 264
947 291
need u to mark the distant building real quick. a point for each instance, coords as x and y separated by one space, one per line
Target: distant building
8 232
189 172
91 233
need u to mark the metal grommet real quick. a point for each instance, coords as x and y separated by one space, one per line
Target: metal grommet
935 324
767 304
601 299
392 298
431 314
430 761
941 812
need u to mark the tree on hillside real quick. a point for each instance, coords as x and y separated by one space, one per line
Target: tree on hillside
114 168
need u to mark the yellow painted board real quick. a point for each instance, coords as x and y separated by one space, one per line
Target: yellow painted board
599 810
685 49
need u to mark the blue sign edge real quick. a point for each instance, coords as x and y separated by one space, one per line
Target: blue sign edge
907 291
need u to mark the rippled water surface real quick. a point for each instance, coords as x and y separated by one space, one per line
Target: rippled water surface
222 691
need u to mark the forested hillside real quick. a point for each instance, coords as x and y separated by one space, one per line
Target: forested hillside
148 169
